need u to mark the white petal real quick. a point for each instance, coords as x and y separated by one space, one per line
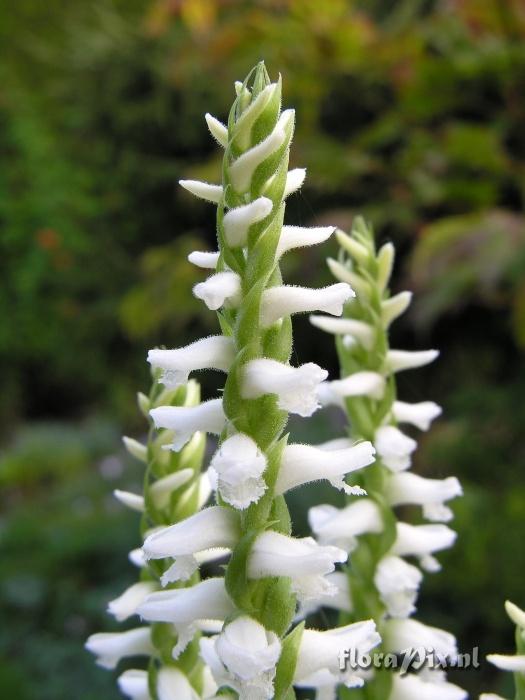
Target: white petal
385 263
211 193
239 466
214 352
303 560
319 651
490 696
395 306
218 130
338 598
407 488
295 387
136 557
172 684
211 527
186 420
398 360
126 604
237 221
282 301
218 289
301 464
363 383
419 414
340 527
422 541
110 647
206 600
336 444
205 260
394 447
398 583
399 635
298 236
363 332
516 664
294 181
133 683
412 687
243 168
131 500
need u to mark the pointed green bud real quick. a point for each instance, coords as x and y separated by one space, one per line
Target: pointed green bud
343 274
516 614
385 263
143 403
357 250
395 306
136 449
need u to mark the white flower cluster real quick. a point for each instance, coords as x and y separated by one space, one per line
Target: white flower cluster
369 390
238 651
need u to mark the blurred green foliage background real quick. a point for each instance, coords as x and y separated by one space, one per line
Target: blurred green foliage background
409 111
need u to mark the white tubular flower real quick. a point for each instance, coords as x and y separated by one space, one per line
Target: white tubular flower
133 683
242 169
363 383
204 260
298 236
162 489
210 528
136 557
203 190
402 635
394 447
517 615
295 387
363 332
422 541
172 684
340 527
238 221
218 130
133 501
301 464
395 306
126 604
303 560
399 360
407 488
398 584
282 301
491 696
294 181
186 420
419 414
111 647
218 289
515 664
236 470
319 652
244 657
215 352
183 607
413 687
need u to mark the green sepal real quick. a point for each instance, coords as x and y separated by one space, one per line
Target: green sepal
287 664
266 121
276 609
238 587
263 241
268 167
277 341
153 673
164 639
